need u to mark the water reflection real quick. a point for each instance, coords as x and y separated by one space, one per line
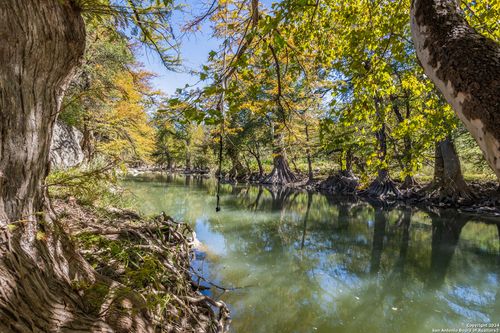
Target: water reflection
312 263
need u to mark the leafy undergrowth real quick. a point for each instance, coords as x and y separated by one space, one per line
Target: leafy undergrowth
148 256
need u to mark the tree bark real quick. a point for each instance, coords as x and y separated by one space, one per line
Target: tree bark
448 181
465 67
43 42
281 173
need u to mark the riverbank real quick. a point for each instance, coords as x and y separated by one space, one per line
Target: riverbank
148 256
483 197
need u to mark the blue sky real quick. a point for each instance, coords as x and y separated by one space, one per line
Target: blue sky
194 50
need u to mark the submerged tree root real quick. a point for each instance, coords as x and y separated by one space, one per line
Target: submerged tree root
448 194
342 182
383 187
151 258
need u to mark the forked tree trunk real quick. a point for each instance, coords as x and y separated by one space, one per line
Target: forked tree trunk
42 42
465 66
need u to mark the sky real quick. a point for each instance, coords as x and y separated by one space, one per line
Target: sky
194 50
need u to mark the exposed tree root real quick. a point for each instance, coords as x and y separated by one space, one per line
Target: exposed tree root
148 257
409 183
343 182
238 173
383 187
450 193
280 196
41 288
281 173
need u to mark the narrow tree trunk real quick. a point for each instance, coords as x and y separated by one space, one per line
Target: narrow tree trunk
346 165
259 164
382 186
188 161
464 66
87 140
308 155
409 181
237 171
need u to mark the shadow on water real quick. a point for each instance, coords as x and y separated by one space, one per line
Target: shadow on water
307 262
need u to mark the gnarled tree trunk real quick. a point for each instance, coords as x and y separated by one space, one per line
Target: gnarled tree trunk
41 275
465 66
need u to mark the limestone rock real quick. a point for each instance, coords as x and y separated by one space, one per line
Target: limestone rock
65 149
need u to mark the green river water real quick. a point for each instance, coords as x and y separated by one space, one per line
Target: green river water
311 263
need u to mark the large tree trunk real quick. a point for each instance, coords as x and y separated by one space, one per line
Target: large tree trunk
465 67
42 43
449 183
281 173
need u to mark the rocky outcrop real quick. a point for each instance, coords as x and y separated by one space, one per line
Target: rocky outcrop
65 149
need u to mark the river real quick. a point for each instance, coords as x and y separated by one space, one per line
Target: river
302 262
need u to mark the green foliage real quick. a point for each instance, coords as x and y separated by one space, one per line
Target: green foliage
344 70
93 184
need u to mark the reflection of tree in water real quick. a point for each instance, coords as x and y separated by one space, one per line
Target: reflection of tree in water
280 196
299 250
306 217
255 204
378 240
446 229
404 224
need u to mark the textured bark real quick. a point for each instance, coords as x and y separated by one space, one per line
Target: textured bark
42 43
465 67
281 173
449 183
